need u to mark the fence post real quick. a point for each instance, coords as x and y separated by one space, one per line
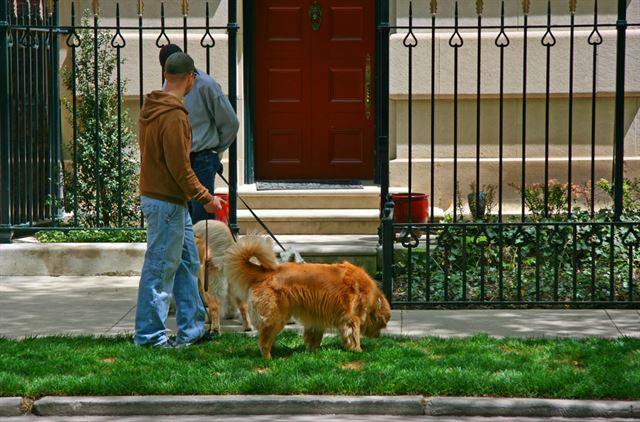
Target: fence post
57 209
618 159
382 101
232 28
5 131
387 249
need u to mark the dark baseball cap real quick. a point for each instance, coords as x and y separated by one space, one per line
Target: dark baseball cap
179 64
166 51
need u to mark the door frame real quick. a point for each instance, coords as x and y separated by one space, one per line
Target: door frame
381 91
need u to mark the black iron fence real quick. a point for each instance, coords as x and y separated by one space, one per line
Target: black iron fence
553 228
29 117
86 175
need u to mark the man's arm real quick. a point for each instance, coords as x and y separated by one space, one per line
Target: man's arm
222 114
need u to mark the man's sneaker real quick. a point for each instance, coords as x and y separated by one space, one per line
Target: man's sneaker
167 344
208 336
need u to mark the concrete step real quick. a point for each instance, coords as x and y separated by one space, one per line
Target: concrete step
368 197
311 221
309 212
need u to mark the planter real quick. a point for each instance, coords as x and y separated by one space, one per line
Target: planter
419 209
472 205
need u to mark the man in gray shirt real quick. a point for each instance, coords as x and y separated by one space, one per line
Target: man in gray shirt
214 127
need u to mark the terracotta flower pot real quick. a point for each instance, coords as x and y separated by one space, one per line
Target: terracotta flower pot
419 207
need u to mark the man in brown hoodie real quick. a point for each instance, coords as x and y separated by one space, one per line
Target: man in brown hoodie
167 182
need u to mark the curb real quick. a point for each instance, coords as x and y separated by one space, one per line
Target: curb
228 405
10 406
323 405
484 406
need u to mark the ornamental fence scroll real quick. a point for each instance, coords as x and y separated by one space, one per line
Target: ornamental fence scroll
552 214
67 160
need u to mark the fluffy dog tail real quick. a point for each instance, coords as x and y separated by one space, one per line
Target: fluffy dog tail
247 261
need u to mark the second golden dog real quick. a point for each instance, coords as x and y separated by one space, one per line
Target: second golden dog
213 239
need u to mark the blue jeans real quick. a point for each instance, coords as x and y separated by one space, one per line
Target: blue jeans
171 264
205 165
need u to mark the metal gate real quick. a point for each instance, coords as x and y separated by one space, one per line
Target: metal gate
558 248
29 113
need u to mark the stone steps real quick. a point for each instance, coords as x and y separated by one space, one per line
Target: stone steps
310 212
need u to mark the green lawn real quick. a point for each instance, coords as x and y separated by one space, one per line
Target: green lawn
478 366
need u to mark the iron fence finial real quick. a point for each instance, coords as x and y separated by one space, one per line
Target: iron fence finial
434 7
96 7
526 6
479 7
185 7
572 6
140 7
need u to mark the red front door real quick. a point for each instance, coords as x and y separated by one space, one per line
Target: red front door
314 89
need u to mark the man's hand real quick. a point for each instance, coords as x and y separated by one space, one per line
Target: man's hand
214 205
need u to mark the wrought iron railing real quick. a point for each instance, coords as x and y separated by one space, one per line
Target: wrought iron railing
33 169
547 248
29 116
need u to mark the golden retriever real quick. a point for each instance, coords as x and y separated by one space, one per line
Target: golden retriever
213 239
320 296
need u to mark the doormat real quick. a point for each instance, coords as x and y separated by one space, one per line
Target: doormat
307 185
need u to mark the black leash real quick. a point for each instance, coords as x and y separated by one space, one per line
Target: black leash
206 255
264 226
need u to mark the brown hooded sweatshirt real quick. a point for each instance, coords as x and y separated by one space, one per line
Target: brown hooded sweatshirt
165 142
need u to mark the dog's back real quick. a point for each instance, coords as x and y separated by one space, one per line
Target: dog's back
217 237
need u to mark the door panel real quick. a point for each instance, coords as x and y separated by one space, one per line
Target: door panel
311 86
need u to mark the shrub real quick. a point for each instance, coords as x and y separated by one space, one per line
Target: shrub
545 261
81 236
107 169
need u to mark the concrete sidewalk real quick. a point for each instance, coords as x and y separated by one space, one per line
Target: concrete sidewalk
105 305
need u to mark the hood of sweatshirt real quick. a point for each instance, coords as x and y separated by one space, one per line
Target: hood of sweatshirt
158 103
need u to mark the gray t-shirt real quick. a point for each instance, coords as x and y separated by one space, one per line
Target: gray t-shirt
213 121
